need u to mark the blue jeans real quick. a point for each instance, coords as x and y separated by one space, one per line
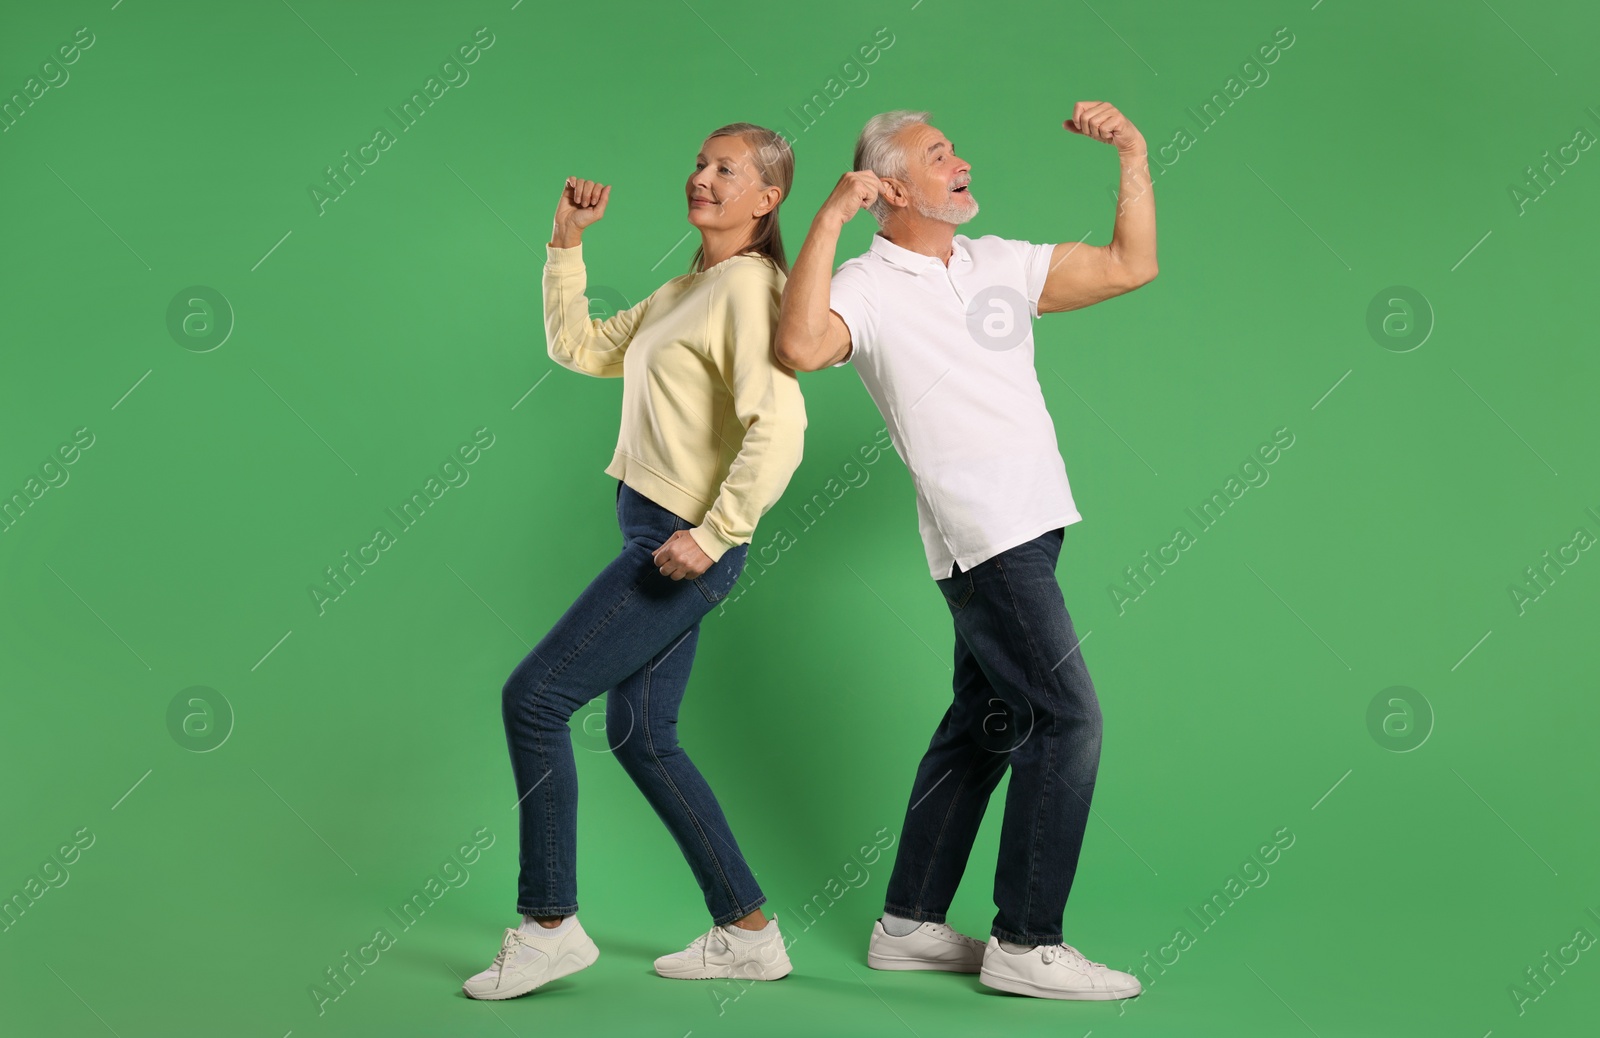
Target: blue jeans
1023 698
632 632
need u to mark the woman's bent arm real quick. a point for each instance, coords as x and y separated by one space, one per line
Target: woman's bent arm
575 340
767 402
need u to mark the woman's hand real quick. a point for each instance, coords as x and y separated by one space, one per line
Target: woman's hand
583 202
680 556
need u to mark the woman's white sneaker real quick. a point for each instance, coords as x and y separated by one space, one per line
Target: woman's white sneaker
529 958
728 951
931 946
1053 971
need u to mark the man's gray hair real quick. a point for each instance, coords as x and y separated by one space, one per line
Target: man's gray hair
876 150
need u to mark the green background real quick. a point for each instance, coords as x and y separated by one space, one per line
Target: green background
365 744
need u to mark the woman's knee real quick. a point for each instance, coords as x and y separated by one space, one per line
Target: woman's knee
530 693
639 747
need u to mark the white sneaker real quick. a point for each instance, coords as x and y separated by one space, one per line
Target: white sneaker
931 946
528 959
1053 971
722 952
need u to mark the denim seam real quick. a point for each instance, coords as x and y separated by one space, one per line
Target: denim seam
944 824
588 637
1050 746
546 913
739 913
551 879
650 744
1024 938
706 590
550 855
972 587
921 915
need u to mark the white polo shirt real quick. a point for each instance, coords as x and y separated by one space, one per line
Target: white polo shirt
947 355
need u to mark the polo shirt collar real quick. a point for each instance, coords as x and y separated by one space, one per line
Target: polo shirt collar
916 262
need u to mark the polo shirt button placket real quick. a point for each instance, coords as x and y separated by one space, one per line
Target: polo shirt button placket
950 278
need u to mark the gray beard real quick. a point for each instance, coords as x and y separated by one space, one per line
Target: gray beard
948 212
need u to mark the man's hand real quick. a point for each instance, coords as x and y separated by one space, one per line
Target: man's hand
680 557
1081 275
583 202
1100 120
853 193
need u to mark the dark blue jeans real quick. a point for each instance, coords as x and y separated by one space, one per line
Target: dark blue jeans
632 632
1023 698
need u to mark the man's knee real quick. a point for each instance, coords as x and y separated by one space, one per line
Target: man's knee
1070 709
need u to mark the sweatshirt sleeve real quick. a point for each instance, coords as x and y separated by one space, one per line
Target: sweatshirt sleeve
593 346
765 398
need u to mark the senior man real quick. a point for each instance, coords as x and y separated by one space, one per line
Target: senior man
939 327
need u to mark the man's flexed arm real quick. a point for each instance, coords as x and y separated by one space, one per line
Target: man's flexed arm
810 336
1082 275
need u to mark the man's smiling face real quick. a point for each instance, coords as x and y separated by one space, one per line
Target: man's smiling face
937 180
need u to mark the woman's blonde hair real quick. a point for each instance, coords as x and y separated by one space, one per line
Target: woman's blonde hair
774 162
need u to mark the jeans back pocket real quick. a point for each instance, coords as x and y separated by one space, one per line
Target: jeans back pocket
717 582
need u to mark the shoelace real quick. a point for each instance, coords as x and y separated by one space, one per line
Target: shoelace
1052 952
944 930
699 944
507 947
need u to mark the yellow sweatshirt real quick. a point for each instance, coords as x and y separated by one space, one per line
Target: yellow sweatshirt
712 427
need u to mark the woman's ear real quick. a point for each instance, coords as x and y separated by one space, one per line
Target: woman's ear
770 197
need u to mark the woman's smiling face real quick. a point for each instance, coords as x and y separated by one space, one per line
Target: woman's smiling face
725 191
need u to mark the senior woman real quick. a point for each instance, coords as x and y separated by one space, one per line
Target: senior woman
712 429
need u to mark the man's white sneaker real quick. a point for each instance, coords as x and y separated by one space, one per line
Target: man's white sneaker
726 951
528 959
931 946
1053 971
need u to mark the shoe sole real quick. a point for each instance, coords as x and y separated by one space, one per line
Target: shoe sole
565 966
703 975
906 962
1017 986
728 974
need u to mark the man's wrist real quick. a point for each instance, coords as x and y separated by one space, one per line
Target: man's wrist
828 223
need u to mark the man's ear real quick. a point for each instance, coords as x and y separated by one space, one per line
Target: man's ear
893 190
